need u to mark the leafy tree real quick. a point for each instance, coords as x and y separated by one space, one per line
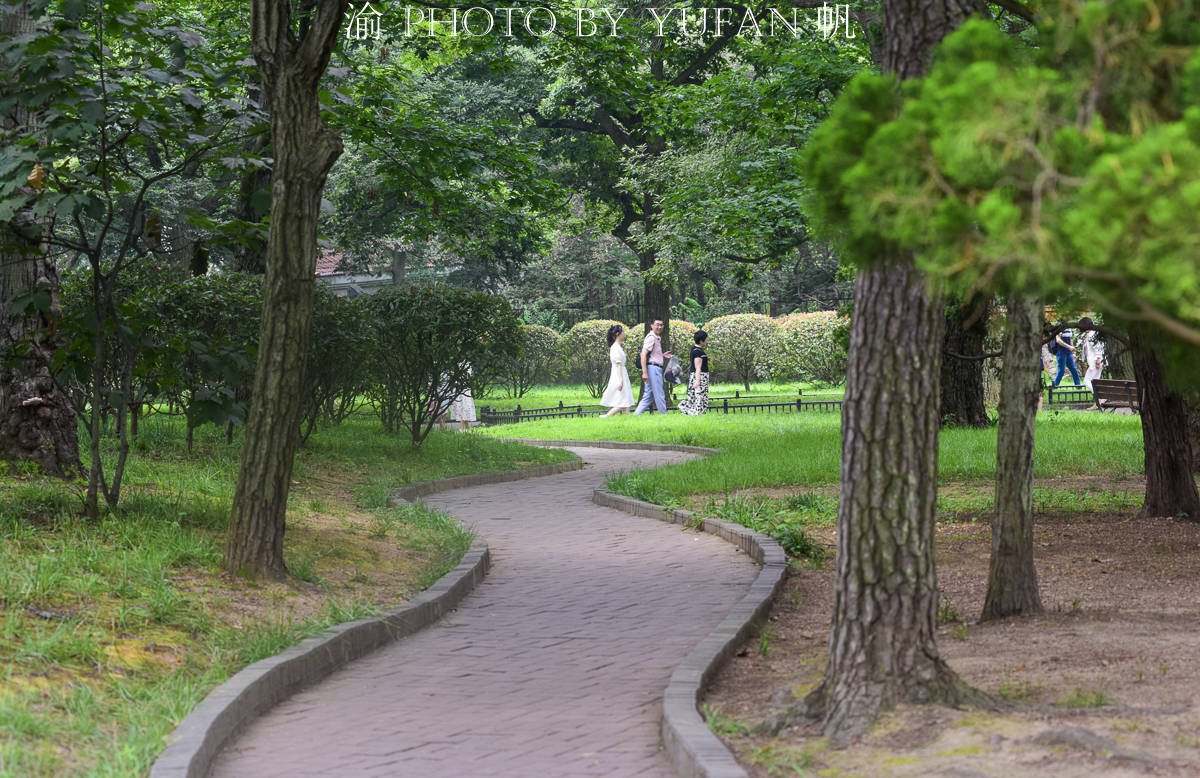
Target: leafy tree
613 98
124 102
1046 174
292 47
429 345
37 421
883 647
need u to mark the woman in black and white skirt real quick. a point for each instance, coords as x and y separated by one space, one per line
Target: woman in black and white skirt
696 402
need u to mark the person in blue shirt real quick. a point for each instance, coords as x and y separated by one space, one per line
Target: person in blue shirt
1066 357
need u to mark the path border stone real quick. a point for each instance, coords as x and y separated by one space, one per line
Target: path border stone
693 750
257 688
613 444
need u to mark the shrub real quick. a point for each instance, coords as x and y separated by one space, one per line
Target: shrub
681 337
338 354
742 343
428 345
539 361
584 353
808 347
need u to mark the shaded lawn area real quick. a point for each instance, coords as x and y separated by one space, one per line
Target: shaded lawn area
804 449
111 632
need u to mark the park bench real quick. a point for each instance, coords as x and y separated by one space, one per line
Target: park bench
1113 393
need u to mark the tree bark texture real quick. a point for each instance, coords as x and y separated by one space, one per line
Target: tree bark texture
1194 435
657 300
882 647
1012 577
304 151
37 421
1170 487
962 379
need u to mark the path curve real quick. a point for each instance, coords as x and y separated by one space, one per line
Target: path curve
554 666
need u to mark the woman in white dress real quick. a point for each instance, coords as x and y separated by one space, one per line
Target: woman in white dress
618 395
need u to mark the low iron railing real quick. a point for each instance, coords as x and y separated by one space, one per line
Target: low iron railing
488 416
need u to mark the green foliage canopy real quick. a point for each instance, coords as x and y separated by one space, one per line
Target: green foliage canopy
1069 167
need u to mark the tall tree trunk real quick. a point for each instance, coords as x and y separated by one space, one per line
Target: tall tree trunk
1170 487
399 265
1194 435
37 421
1012 577
305 149
962 379
883 647
657 300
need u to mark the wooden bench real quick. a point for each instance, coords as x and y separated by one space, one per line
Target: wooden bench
1113 393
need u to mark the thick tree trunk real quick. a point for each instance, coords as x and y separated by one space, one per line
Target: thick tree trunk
304 151
37 421
1194 436
1170 487
1012 577
399 265
883 648
962 379
657 299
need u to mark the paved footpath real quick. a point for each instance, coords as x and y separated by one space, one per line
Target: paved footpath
555 666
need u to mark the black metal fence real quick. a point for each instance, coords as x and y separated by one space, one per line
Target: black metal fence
489 417
1075 395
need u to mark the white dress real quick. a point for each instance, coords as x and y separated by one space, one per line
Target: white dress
614 397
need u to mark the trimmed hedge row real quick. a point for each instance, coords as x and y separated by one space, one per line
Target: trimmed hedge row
745 346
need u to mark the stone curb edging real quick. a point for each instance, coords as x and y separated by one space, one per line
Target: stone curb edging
254 690
692 748
614 444
422 488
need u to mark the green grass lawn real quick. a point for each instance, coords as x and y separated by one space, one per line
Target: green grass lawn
111 632
577 394
804 449
800 453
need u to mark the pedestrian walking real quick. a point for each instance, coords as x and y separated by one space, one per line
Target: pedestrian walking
651 360
618 395
696 402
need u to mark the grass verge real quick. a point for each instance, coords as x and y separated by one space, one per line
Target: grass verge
112 631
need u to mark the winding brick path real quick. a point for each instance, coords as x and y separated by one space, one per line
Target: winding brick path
554 667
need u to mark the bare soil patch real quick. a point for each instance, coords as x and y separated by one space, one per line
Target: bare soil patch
1106 682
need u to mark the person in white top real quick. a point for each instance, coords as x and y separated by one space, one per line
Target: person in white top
618 395
1094 371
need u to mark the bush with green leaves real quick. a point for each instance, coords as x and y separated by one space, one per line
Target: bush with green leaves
584 353
539 361
337 377
183 345
428 345
808 348
741 344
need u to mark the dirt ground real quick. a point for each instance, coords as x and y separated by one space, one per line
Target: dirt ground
1106 682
